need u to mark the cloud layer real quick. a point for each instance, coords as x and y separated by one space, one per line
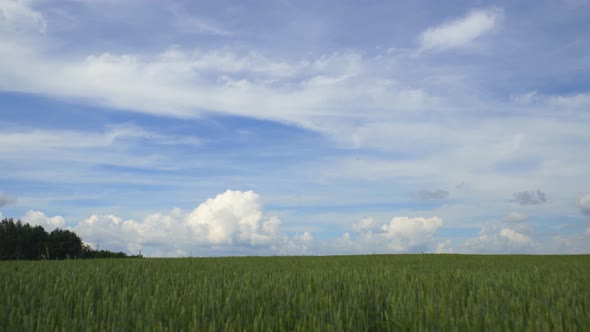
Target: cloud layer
234 223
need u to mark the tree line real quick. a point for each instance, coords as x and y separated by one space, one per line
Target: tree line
23 241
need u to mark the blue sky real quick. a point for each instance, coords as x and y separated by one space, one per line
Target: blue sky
299 127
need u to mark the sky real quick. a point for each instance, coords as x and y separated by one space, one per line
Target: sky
216 128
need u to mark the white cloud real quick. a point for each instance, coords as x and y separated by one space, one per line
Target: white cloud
52 140
233 223
176 82
39 218
411 233
299 244
324 93
364 225
514 237
444 248
230 223
583 204
460 32
401 234
109 232
234 218
499 239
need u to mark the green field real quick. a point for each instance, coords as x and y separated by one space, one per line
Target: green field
340 293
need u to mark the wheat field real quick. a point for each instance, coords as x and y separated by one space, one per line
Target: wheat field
330 293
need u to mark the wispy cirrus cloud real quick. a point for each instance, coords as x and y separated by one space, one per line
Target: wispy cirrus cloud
18 16
24 139
198 25
460 32
555 102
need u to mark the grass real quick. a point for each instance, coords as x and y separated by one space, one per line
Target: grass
339 293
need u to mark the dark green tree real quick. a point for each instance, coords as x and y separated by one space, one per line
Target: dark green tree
64 244
21 241
8 239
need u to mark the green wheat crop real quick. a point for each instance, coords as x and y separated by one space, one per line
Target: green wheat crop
340 293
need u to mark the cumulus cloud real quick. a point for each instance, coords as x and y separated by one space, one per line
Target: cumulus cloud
498 238
514 237
110 232
460 32
299 244
529 197
5 200
430 195
365 225
444 248
407 233
232 222
583 204
39 218
401 234
233 218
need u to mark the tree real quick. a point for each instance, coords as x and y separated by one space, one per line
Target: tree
64 244
8 239
21 241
